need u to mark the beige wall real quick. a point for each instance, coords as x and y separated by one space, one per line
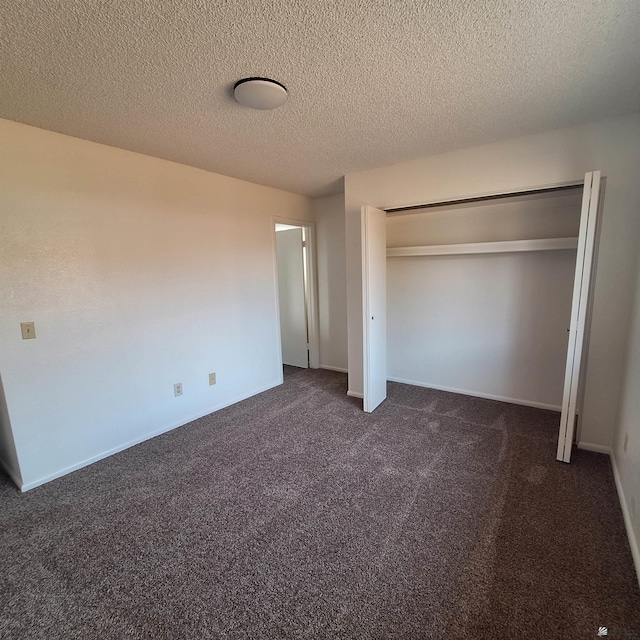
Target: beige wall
138 273
549 158
332 281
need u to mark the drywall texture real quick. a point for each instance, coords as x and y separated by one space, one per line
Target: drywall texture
565 155
371 82
332 281
628 427
138 273
492 325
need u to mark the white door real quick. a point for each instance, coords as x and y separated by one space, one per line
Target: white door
291 298
579 308
374 305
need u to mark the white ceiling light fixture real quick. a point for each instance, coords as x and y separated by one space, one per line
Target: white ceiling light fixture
260 93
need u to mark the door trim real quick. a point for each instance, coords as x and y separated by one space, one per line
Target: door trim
312 288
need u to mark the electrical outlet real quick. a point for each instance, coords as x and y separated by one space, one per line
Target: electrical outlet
212 378
28 330
177 389
626 442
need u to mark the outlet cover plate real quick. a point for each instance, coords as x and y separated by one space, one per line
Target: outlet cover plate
28 330
177 389
212 378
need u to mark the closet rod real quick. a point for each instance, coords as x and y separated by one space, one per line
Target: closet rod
496 196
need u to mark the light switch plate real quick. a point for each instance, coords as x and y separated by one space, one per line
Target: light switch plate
212 378
28 330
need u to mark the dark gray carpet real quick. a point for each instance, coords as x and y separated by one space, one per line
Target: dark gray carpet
295 515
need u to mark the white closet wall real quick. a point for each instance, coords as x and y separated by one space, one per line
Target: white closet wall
490 324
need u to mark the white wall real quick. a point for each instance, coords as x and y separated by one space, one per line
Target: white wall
491 325
612 146
138 273
332 281
628 426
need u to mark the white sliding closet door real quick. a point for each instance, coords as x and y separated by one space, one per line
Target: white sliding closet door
374 305
579 308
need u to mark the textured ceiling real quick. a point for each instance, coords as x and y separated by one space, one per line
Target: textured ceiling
371 82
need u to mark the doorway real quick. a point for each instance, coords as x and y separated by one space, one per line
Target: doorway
296 293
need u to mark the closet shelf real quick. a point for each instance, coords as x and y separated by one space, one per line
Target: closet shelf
508 246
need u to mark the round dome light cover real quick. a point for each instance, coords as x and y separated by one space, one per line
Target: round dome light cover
260 93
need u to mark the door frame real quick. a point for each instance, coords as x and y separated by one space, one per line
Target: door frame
311 296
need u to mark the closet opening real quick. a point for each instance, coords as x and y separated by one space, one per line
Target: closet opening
485 296
479 296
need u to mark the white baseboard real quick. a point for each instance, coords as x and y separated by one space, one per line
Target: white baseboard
330 368
628 524
597 448
477 394
355 394
11 472
131 443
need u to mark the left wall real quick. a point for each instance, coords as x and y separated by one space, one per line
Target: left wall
138 273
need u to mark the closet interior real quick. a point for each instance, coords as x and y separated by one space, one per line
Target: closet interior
479 295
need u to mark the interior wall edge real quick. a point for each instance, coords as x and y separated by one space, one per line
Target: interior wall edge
9 459
626 515
478 394
329 367
12 473
132 443
331 280
596 448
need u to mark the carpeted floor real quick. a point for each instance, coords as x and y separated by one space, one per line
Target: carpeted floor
295 515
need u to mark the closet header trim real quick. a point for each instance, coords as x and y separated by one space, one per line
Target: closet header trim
484 198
